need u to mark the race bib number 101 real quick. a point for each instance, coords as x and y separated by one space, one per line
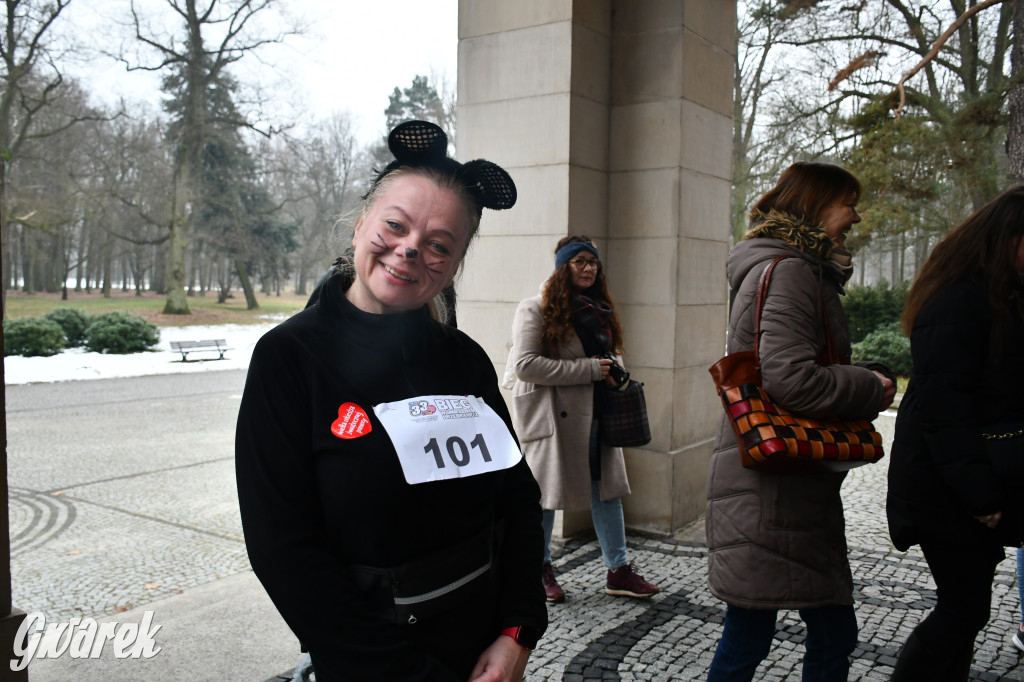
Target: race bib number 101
440 437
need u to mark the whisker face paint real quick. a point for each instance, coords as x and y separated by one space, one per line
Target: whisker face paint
433 269
382 246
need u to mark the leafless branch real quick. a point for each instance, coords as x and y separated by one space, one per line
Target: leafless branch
868 58
938 46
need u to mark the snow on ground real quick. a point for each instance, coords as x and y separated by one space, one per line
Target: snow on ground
77 363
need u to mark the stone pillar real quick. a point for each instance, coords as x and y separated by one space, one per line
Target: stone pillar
10 618
614 119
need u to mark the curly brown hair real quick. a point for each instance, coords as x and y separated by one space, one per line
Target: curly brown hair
556 303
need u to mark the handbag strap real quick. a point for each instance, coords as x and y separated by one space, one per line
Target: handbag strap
762 296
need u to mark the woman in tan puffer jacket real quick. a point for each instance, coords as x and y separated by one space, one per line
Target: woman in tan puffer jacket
777 541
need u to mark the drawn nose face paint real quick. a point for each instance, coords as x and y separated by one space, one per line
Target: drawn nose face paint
411 253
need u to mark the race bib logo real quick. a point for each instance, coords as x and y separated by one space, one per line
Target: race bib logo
457 408
352 422
421 408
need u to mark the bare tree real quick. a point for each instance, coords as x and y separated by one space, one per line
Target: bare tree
840 63
47 191
131 199
760 147
331 174
32 84
864 47
215 34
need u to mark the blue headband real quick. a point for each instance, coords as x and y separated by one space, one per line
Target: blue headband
565 254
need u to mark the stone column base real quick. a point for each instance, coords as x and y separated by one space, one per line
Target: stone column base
9 626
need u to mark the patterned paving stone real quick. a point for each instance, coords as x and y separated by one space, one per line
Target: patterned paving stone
673 635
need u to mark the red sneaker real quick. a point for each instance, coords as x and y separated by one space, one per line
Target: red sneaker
552 590
626 582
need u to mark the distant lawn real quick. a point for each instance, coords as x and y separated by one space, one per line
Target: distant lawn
205 309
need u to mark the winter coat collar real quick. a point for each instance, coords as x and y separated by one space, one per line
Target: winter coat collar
796 232
775 234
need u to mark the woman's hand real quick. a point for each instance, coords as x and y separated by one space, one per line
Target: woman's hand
606 365
890 390
503 661
990 520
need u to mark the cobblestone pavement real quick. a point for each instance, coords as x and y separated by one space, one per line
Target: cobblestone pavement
672 636
106 518
122 492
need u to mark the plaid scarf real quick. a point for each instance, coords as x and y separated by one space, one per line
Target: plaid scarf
591 320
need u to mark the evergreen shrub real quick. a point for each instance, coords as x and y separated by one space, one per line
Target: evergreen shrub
888 345
871 307
120 333
32 336
73 322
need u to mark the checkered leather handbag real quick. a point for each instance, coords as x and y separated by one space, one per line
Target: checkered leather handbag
623 422
772 439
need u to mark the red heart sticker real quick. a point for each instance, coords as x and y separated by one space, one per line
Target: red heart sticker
352 422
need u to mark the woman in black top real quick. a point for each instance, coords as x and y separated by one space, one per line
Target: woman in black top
395 545
965 317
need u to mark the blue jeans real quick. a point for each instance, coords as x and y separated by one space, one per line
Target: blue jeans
1020 580
748 633
609 525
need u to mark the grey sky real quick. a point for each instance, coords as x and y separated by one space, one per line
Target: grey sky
351 58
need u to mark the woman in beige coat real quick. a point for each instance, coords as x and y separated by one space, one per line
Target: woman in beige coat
565 346
777 541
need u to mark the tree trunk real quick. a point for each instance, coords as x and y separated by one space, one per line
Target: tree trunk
27 262
5 262
177 302
243 279
206 278
1015 99
159 281
108 265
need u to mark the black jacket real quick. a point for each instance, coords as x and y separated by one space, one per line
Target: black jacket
313 504
939 475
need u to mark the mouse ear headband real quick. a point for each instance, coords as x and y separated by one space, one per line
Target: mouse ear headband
424 144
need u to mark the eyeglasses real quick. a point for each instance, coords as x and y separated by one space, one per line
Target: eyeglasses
582 264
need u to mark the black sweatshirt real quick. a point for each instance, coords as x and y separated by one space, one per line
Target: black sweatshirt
314 504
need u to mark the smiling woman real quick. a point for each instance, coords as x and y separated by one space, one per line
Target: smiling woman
839 218
778 541
404 567
409 244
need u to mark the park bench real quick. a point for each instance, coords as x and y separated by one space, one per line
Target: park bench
219 346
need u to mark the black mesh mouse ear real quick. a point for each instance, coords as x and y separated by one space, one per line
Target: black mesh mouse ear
490 183
418 142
